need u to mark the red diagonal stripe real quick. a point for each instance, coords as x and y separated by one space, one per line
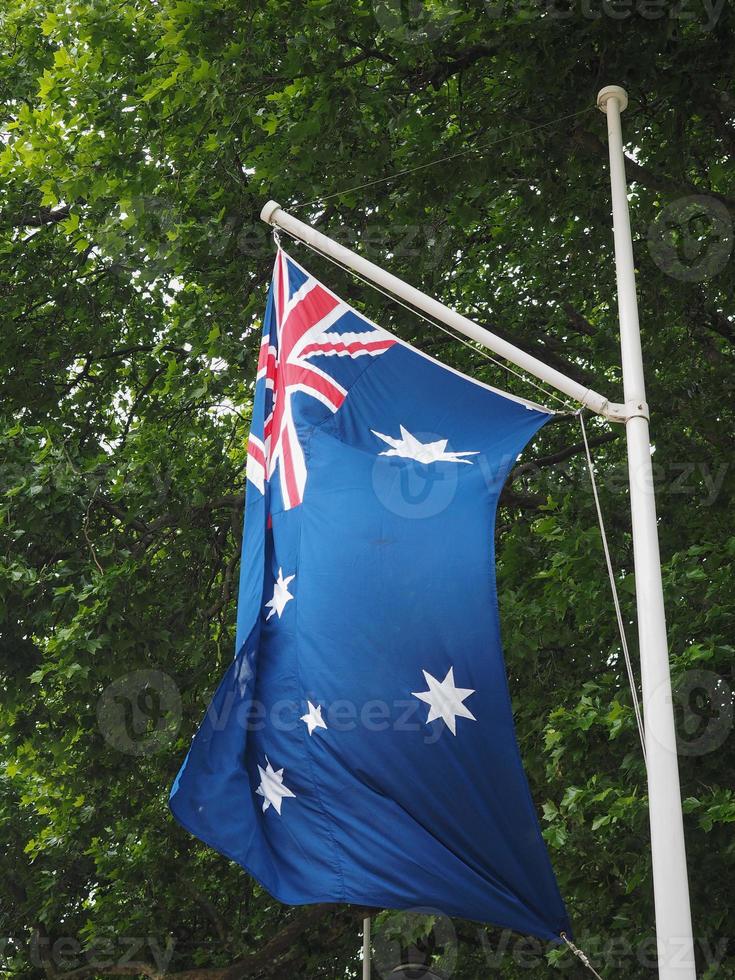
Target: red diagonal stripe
263 353
256 452
271 367
302 374
288 467
352 348
314 306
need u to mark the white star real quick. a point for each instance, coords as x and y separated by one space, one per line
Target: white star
409 447
313 718
272 788
445 700
281 595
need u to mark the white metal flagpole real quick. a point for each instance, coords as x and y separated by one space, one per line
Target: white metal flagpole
671 888
366 954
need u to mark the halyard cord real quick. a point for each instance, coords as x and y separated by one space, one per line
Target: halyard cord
614 589
477 350
434 163
580 955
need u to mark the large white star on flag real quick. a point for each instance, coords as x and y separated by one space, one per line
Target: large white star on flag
281 595
445 700
409 447
272 787
313 718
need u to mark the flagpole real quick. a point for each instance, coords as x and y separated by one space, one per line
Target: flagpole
366 953
273 214
671 888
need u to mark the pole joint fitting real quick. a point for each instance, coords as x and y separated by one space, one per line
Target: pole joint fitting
615 412
632 409
636 408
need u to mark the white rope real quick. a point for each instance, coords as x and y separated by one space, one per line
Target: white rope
433 163
477 350
614 589
580 955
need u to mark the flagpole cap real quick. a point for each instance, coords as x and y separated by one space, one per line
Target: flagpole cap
612 92
268 211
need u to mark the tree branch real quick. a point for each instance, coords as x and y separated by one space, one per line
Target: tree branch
578 321
36 218
647 178
134 969
524 500
437 75
226 585
267 962
564 454
367 52
270 959
521 500
718 323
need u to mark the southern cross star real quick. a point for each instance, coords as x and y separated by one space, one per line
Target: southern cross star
313 718
445 700
272 788
281 595
409 447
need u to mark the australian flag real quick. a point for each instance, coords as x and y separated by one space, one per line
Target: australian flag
361 748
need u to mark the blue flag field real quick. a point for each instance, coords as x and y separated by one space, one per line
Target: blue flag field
360 747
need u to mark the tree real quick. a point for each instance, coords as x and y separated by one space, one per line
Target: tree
140 141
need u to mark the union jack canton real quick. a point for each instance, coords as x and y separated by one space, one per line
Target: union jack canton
305 324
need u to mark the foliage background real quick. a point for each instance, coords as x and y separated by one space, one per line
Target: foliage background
139 142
